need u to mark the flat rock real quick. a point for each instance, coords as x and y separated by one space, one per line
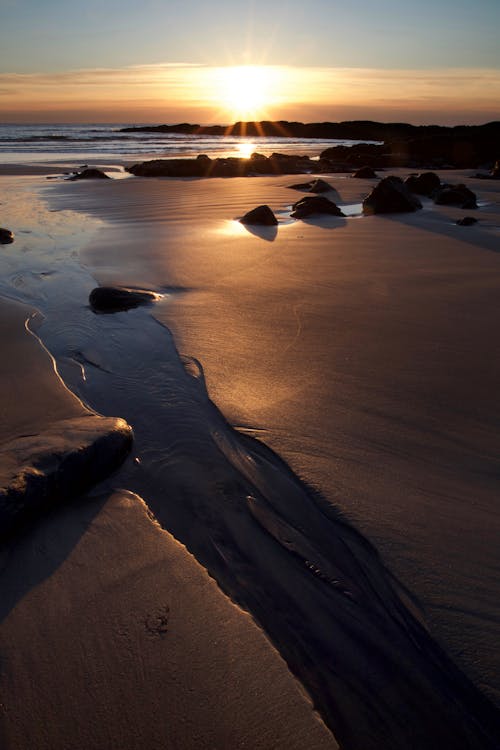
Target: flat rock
40 470
455 195
90 174
314 186
390 196
6 236
315 205
467 221
424 183
116 298
261 215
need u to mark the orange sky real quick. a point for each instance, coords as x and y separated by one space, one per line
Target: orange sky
215 94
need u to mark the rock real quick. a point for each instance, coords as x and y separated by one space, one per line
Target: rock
117 298
6 236
365 172
390 196
315 205
38 471
467 221
261 215
90 174
424 183
455 195
315 186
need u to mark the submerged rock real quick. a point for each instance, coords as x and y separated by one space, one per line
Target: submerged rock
390 196
116 298
315 205
261 215
455 195
424 183
467 221
365 172
38 471
315 186
6 236
90 174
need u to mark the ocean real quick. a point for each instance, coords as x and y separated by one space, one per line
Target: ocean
86 142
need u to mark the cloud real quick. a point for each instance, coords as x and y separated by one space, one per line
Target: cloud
182 87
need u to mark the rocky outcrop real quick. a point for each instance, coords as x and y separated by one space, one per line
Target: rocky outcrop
365 173
390 196
314 186
224 167
109 299
38 471
262 216
315 205
455 195
6 236
90 174
423 184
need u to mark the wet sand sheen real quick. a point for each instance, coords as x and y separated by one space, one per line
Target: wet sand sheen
230 290
361 353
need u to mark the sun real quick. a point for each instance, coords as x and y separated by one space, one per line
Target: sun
245 92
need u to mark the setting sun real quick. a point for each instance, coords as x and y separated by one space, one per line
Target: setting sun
246 91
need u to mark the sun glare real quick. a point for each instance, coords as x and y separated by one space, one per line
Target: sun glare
246 91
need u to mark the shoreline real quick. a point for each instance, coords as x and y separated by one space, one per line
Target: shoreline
198 394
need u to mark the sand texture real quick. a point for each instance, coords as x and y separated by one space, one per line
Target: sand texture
359 350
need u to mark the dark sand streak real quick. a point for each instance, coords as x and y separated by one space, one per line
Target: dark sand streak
316 586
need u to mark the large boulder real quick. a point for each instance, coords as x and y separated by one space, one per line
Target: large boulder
6 236
317 204
111 299
365 172
423 184
262 215
90 174
455 195
314 186
390 196
40 470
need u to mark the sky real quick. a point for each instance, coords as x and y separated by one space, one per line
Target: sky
432 61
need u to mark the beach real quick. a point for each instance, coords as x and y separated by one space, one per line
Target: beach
315 419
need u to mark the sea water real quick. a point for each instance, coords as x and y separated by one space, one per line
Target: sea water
21 143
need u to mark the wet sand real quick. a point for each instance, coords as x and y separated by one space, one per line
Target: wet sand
111 635
349 346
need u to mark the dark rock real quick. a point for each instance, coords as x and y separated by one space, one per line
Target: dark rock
390 196
467 221
315 186
261 215
40 470
424 183
455 195
203 157
6 236
315 205
116 298
365 172
90 174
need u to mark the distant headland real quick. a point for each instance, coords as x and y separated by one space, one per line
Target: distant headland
380 145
